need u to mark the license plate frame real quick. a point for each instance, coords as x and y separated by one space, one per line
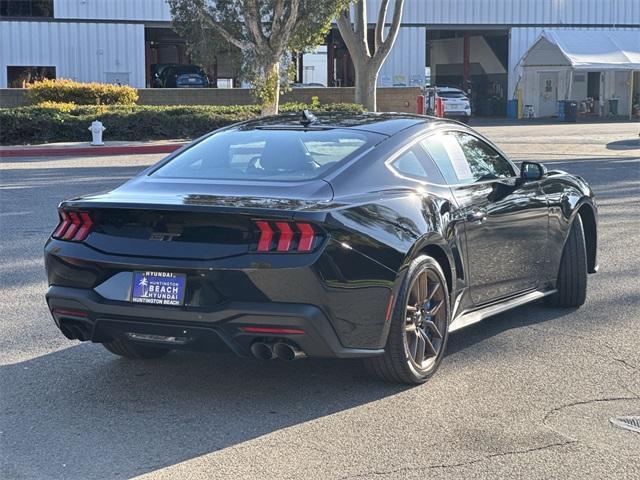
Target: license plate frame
158 288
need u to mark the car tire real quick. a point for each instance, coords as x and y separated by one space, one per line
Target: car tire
127 349
398 363
571 284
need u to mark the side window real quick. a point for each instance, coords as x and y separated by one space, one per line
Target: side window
414 163
463 158
485 163
446 152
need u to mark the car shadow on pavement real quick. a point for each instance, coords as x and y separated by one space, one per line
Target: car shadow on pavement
83 413
525 316
631 144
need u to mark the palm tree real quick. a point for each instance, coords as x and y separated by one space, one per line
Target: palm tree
143 283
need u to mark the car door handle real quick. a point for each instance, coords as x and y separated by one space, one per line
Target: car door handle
477 216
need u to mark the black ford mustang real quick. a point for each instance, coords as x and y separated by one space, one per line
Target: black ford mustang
371 236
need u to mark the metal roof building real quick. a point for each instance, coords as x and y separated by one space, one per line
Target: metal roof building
475 43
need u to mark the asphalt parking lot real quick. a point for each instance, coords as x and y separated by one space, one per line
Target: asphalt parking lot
528 393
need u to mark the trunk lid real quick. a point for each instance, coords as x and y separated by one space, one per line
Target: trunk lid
156 218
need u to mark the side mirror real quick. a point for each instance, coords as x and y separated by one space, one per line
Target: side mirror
530 171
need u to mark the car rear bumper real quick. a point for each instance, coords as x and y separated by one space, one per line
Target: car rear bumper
83 314
457 113
338 296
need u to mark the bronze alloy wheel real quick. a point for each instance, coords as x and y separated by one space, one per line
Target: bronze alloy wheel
425 319
418 333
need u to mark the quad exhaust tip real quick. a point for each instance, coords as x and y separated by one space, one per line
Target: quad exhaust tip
287 352
263 351
281 350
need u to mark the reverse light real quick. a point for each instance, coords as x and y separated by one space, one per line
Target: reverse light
73 226
285 237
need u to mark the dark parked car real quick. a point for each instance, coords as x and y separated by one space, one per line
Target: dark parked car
370 236
180 76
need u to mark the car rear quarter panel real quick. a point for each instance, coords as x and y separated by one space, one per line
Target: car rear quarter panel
394 214
392 219
390 230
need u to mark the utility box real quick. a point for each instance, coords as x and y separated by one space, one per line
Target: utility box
512 109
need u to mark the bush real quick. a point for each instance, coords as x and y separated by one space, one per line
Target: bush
65 107
68 91
318 107
60 122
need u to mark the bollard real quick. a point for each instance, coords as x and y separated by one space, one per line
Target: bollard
420 105
439 107
96 129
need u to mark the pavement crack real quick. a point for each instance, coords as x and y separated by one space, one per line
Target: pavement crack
585 402
611 349
529 450
460 464
624 362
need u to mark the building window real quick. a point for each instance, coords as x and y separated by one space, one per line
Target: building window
18 77
26 8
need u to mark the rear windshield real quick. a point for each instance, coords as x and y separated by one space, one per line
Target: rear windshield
268 154
451 94
187 69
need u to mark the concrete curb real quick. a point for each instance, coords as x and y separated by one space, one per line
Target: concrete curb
36 151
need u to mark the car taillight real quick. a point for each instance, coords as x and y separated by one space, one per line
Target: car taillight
73 226
285 236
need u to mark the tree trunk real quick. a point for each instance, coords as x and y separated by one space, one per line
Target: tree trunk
366 80
366 64
367 70
271 100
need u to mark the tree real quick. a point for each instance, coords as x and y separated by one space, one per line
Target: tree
205 45
264 31
367 64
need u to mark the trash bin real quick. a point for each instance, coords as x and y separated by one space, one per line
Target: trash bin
613 106
512 109
570 111
561 110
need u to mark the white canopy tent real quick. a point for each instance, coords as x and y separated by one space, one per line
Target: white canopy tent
592 49
557 64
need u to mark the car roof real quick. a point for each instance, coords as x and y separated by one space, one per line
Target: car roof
186 67
383 123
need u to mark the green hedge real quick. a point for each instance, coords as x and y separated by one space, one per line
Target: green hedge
63 90
68 123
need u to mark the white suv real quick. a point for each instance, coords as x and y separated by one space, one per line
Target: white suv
455 102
